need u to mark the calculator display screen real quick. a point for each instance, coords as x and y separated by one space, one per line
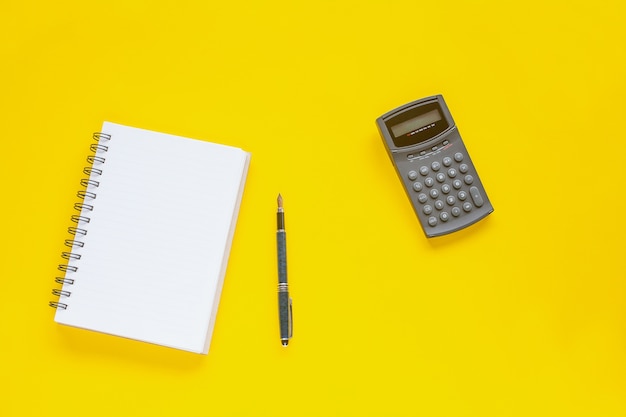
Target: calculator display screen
417 125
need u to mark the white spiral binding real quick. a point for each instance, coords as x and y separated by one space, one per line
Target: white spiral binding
84 206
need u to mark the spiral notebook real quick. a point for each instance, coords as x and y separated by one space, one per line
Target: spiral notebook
149 243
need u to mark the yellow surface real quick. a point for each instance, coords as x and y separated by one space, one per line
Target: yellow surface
522 314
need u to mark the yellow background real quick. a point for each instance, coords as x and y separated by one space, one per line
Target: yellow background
522 314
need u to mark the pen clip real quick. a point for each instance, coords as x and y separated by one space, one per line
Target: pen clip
290 318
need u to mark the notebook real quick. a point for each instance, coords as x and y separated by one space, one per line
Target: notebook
151 237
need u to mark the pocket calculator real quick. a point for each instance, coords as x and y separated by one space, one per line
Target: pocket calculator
434 166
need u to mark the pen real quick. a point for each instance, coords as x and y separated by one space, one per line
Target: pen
284 302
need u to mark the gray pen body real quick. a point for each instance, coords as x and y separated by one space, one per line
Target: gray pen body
284 314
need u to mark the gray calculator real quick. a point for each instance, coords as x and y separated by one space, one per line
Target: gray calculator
434 166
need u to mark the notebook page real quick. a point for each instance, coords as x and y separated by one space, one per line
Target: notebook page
158 239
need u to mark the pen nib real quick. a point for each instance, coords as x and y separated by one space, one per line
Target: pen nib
280 201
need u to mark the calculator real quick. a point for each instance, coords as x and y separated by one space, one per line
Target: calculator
433 164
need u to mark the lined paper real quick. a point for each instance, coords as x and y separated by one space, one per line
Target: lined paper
157 243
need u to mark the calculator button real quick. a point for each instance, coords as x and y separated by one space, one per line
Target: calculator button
452 173
458 156
450 200
435 166
422 198
456 212
434 193
424 170
445 188
412 175
439 205
476 197
441 177
432 220
467 206
462 195
427 209
468 179
444 216
417 186
447 161
463 168
429 182
457 184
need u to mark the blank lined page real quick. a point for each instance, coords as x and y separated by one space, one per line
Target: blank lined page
158 238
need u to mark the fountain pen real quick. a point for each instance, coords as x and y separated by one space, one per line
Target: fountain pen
284 301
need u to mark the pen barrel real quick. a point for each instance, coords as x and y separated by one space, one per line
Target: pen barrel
281 245
284 313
